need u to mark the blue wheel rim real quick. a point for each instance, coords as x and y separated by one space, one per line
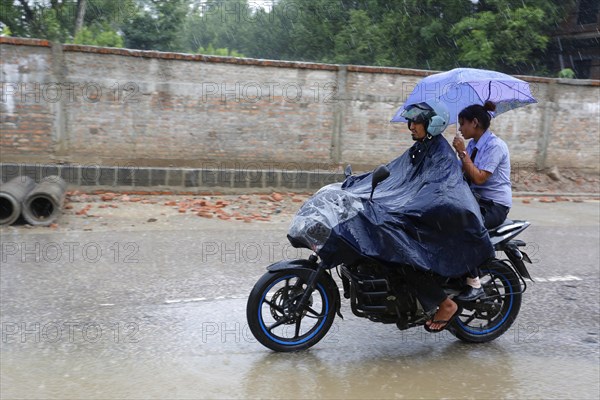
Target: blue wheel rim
323 293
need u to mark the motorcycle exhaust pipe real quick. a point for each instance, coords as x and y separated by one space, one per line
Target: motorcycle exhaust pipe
12 194
43 204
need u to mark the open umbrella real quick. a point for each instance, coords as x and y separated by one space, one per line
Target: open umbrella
461 87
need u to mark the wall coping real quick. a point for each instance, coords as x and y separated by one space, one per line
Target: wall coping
262 62
24 41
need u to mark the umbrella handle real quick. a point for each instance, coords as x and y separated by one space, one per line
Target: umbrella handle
458 133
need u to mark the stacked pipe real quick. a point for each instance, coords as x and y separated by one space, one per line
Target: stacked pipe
12 194
39 204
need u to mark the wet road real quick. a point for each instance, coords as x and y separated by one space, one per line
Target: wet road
159 312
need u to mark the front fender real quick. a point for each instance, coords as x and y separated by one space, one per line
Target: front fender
293 264
309 267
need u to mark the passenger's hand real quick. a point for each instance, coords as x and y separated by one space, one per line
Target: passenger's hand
459 143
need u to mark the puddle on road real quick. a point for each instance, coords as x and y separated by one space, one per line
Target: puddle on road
205 351
418 371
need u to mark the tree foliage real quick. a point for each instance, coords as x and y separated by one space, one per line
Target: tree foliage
156 25
97 36
506 35
211 51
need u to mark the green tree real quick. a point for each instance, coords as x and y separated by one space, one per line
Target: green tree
313 26
46 20
418 33
566 73
361 41
5 30
10 17
59 20
156 25
509 35
491 40
405 33
211 51
98 37
222 25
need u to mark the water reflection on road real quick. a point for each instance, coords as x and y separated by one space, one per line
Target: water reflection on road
181 352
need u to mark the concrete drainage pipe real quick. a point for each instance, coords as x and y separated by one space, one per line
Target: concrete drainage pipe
43 204
12 194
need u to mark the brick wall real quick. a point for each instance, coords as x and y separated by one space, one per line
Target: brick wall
27 107
117 107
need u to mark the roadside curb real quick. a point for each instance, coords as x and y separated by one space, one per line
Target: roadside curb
129 177
191 181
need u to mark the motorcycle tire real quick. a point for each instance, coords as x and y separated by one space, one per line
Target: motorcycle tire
272 312
489 317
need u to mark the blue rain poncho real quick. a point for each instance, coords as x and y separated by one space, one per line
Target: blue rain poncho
423 215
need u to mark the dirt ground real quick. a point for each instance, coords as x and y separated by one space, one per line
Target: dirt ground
553 181
105 211
156 209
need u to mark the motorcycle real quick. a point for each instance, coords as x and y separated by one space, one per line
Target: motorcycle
293 305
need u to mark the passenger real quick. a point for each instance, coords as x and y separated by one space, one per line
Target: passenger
486 166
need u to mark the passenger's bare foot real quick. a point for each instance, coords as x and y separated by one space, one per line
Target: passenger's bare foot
446 311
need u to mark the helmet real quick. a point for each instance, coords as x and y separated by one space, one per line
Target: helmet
432 113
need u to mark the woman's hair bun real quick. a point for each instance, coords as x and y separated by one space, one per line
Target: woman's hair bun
489 106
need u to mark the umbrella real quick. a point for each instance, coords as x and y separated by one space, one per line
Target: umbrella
461 87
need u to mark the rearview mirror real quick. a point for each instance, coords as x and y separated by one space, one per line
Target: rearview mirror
348 170
380 174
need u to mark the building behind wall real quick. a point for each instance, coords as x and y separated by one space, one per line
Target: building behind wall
576 44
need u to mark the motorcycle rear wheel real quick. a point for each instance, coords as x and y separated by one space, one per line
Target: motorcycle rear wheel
491 316
275 318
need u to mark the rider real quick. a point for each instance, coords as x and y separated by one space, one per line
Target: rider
486 166
426 122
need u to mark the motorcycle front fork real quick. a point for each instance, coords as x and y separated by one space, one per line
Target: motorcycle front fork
310 285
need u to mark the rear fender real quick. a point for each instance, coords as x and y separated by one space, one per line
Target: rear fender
516 257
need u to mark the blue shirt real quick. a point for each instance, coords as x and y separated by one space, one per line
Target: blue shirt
492 156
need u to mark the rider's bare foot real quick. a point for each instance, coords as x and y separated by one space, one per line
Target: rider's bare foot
443 316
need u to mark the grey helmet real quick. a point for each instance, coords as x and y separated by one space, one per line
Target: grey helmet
433 113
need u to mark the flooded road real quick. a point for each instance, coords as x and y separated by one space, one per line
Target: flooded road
160 313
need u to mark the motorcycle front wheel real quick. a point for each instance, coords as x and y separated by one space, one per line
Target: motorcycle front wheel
276 318
489 317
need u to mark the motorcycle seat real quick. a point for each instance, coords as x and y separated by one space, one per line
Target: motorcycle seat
507 226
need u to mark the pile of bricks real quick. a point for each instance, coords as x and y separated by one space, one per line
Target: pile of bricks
246 208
